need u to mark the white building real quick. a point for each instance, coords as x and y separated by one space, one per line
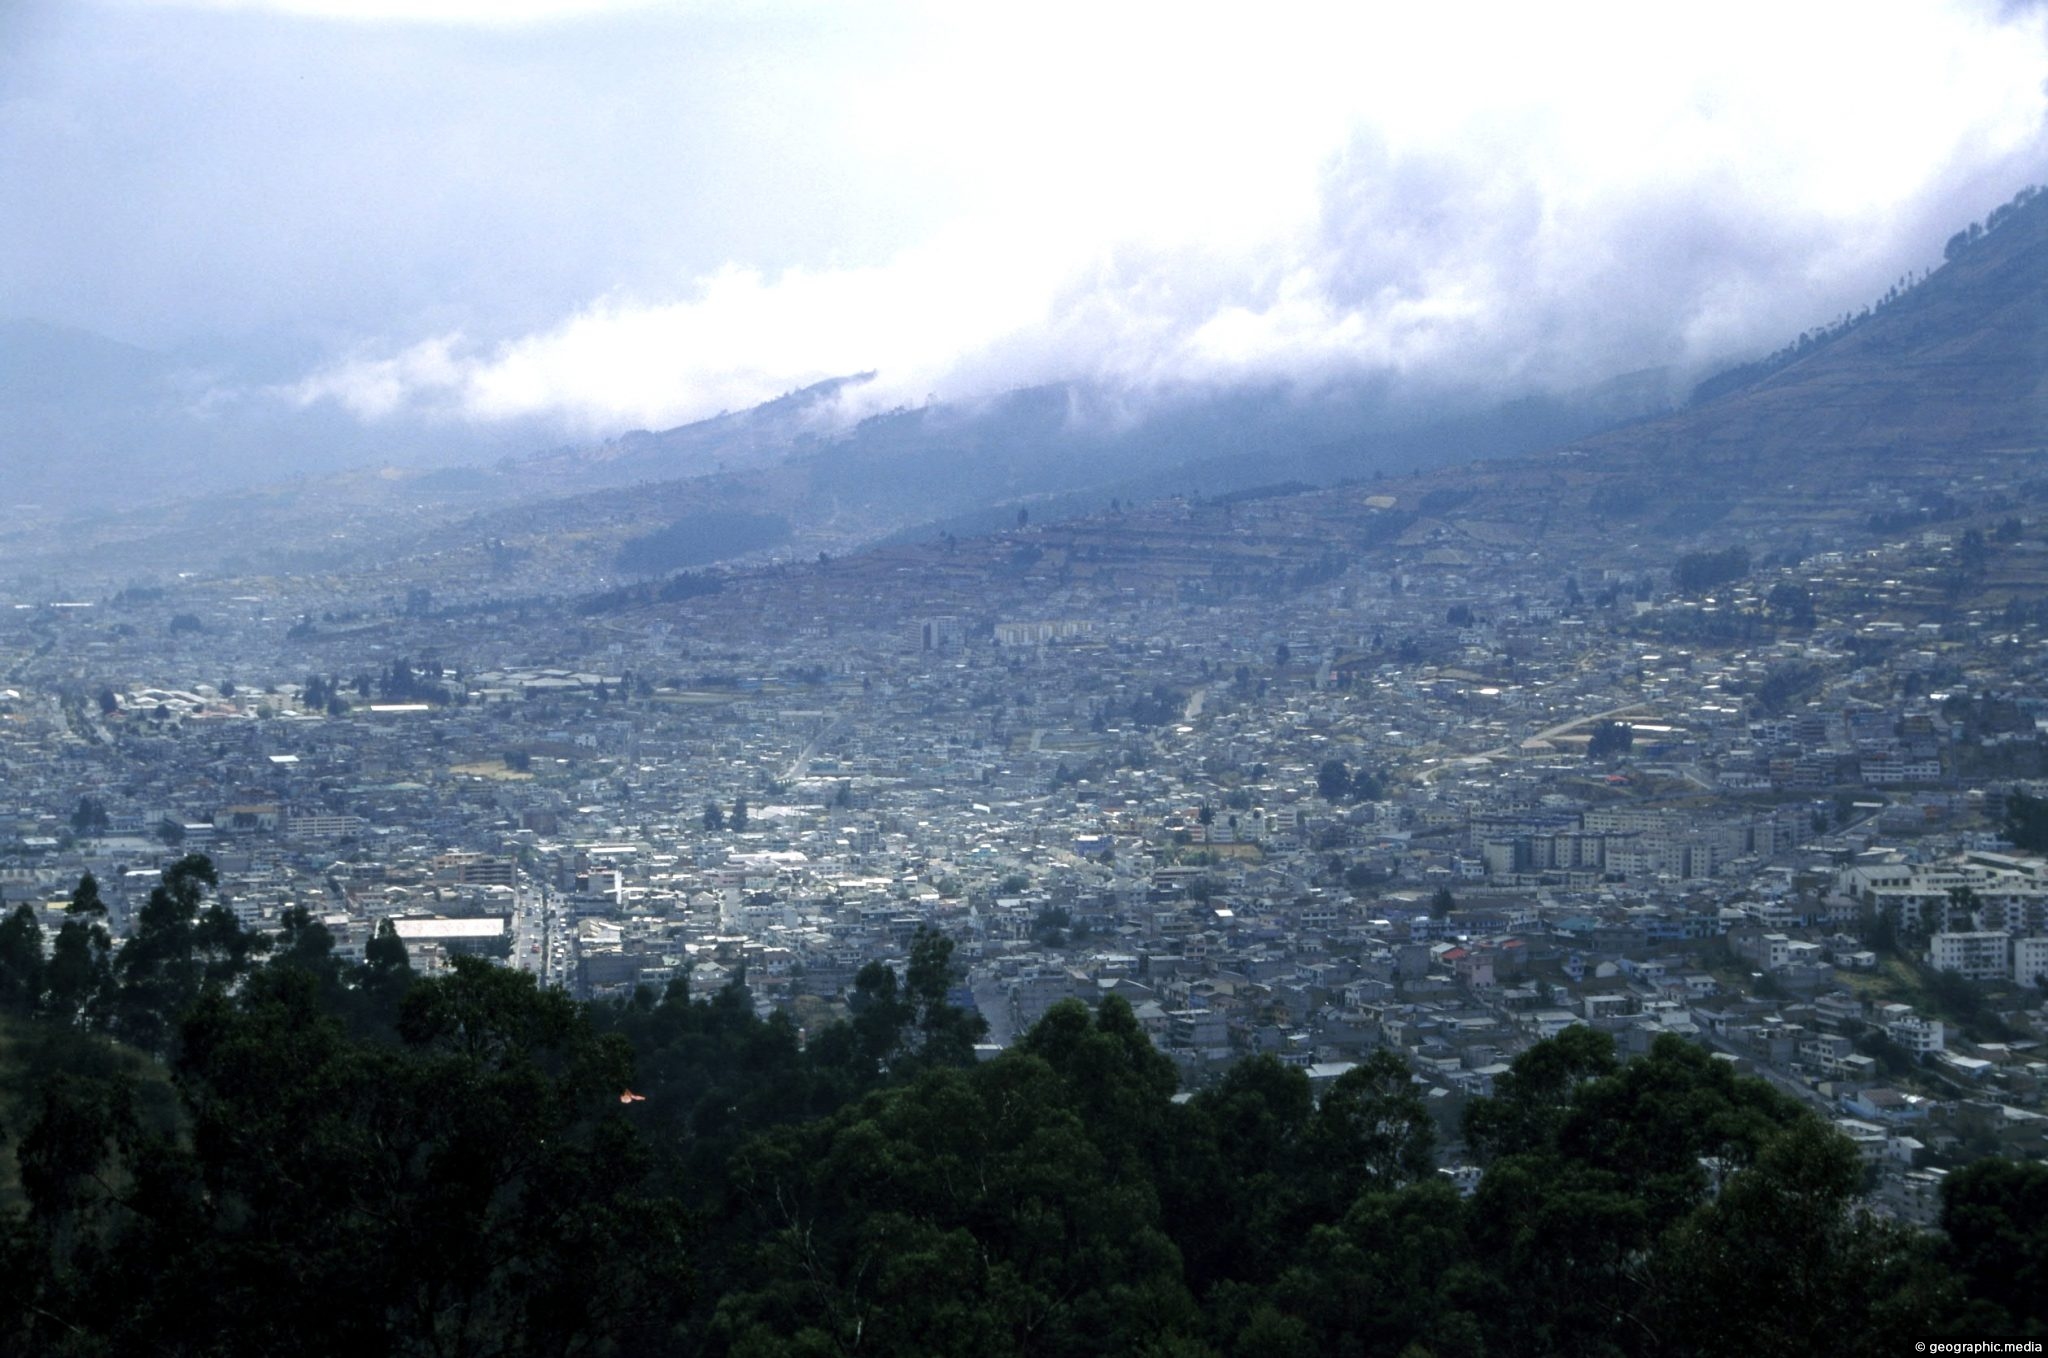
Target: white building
1977 956
1918 1035
2029 960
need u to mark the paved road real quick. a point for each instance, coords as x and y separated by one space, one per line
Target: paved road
801 765
1545 734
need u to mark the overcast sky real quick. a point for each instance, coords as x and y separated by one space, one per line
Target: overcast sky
622 215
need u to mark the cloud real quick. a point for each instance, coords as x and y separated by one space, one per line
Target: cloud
1513 196
374 388
732 340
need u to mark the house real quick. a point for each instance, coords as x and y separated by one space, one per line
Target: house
1887 1107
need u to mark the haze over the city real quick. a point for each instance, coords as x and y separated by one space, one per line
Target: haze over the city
567 220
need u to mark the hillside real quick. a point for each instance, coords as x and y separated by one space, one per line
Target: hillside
574 513
1960 362
1868 424
1950 372
1930 409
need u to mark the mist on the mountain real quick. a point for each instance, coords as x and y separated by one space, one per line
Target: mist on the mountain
364 239
110 425
90 422
1433 313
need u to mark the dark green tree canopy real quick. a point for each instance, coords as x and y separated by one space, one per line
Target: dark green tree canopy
343 1160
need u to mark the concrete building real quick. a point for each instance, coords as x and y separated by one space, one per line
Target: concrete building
1976 956
2029 960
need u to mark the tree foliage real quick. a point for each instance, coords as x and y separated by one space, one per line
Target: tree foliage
2026 821
1610 738
1698 572
1336 782
335 1159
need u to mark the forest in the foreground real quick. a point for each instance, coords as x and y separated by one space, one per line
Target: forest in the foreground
217 1148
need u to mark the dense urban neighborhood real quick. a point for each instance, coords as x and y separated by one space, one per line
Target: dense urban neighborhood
1314 774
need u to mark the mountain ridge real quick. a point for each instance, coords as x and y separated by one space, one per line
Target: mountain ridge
1957 363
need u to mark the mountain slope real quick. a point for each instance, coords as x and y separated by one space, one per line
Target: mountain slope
1941 382
1955 365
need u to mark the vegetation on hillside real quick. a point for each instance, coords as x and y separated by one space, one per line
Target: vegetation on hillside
1809 341
700 538
352 1159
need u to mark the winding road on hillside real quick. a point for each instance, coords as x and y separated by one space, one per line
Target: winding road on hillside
1547 733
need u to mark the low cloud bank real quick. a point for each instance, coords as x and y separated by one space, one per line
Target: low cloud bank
1532 226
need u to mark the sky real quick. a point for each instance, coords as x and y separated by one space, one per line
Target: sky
601 216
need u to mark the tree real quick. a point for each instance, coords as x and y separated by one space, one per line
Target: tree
1249 1194
2026 821
84 1124
714 818
1878 926
1395 1274
739 814
1333 780
381 981
1698 572
305 942
1050 928
909 1025
1994 1214
471 1188
880 1015
968 1212
1791 605
1442 903
89 817
1590 1166
1782 1260
468 1180
1610 738
385 951
1119 1082
182 943
1529 1101
1371 1131
21 962
946 1032
78 969
1973 552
